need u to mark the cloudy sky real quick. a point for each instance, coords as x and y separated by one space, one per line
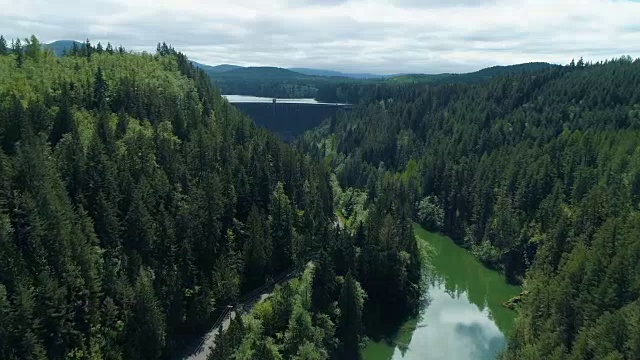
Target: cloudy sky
383 36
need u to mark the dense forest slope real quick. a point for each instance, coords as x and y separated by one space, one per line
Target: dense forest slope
133 201
538 174
356 92
136 204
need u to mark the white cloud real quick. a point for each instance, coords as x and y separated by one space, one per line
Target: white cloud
351 35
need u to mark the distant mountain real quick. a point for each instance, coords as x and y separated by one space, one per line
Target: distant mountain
61 46
330 73
217 68
271 82
472 77
261 73
304 71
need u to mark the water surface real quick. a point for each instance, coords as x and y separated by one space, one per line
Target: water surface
257 99
464 319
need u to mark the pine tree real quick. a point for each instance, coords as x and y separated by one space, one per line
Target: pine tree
100 89
323 283
18 51
4 49
121 124
74 49
257 249
300 329
16 125
87 49
7 347
29 345
145 331
281 226
32 47
350 318
63 122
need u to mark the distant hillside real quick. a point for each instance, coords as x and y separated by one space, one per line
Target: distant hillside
513 69
362 90
331 73
61 46
216 69
267 81
473 77
304 71
262 73
271 81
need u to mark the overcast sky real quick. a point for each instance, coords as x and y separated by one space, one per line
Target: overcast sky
382 36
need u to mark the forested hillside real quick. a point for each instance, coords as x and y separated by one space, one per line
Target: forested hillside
338 87
134 202
538 174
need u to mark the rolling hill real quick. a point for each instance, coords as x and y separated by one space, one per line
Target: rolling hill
217 68
472 77
61 46
331 73
262 73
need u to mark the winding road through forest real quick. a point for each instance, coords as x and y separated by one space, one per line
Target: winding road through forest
245 304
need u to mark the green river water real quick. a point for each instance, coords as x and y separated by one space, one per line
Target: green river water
464 318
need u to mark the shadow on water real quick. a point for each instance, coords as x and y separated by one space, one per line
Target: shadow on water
398 336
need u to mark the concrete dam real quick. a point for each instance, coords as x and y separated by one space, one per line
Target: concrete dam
286 117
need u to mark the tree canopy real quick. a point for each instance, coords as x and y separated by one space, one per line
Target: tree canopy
536 174
134 202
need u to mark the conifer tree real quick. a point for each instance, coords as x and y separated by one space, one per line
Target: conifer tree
350 319
63 122
145 329
4 49
18 51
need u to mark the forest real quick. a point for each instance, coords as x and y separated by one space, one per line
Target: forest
538 174
135 203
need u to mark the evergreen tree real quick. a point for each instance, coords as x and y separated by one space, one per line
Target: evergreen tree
281 226
100 91
4 49
258 248
87 49
323 283
349 328
32 48
18 51
145 329
63 122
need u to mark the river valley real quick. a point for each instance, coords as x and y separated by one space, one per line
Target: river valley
464 318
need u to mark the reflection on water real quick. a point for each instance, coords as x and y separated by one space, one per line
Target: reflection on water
465 318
